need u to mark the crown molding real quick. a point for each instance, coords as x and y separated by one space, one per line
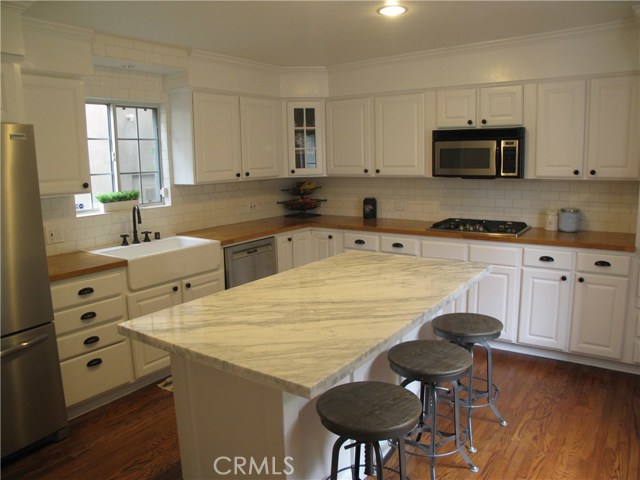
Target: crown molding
58 29
236 61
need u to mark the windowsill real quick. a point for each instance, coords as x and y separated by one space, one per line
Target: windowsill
94 213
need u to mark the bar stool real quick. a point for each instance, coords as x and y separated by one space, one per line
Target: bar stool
368 412
432 362
467 330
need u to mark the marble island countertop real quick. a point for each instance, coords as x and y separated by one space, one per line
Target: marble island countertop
303 330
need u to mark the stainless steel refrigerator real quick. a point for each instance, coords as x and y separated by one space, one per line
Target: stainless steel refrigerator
33 407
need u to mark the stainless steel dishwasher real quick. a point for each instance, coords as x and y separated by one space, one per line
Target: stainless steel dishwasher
249 261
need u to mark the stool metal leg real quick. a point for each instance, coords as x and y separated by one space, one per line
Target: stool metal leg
401 459
471 448
456 417
335 456
490 385
355 468
433 402
379 462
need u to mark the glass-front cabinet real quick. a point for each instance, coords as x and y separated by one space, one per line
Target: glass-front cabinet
305 126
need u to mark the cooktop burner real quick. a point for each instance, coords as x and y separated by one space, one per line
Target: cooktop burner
489 227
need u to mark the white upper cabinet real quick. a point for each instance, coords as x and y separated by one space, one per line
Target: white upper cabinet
305 137
217 138
483 107
400 135
560 129
261 121
349 137
55 107
614 130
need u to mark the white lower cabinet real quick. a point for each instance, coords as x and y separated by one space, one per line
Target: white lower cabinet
448 250
400 245
497 294
325 244
599 305
299 248
361 241
94 357
147 359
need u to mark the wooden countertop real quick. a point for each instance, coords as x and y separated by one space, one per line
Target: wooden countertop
75 264
241 232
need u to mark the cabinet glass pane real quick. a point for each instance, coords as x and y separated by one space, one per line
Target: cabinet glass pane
300 159
298 117
299 139
310 158
310 139
310 117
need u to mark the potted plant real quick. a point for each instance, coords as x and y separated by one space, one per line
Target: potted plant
115 201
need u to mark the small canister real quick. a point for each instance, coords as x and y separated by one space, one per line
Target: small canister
369 208
569 220
551 221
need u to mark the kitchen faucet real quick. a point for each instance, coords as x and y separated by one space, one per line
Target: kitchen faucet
136 209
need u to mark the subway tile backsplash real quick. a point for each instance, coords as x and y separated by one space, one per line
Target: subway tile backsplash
606 206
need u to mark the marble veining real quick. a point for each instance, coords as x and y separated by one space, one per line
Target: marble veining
303 330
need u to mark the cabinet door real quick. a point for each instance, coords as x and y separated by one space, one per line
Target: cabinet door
544 311
202 285
284 246
400 137
501 106
305 127
560 129
148 359
216 125
325 244
11 98
261 130
598 320
613 148
55 106
349 137
302 249
456 108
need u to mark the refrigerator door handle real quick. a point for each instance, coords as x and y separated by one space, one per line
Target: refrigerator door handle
23 346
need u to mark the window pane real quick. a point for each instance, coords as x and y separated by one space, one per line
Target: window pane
128 156
310 116
99 156
146 123
298 117
130 182
151 188
83 202
97 121
148 156
127 122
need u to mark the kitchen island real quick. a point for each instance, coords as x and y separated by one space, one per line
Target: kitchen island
247 363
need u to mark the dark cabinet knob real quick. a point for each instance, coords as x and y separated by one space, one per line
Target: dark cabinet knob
484 122
602 263
581 280
94 362
85 185
330 237
470 122
238 175
397 245
360 242
293 171
377 170
546 258
188 285
592 172
366 170
246 174
91 339
289 239
175 289
88 315
85 291
563 278
576 172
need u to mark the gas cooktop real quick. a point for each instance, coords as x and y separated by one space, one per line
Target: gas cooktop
501 228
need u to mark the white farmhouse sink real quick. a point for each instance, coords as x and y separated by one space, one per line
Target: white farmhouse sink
162 261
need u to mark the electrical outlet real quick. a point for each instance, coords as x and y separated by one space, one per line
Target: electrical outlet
399 205
251 206
54 233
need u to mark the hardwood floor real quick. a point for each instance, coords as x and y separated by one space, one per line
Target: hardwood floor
566 421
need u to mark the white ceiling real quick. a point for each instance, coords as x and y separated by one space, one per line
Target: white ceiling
325 33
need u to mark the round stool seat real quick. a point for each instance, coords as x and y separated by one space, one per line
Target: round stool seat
429 361
467 327
369 411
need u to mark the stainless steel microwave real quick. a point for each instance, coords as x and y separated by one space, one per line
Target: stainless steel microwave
479 153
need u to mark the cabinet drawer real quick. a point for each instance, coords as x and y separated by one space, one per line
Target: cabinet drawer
507 256
444 250
88 340
552 259
97 372
87 289
357 241
113 309
405 246
598 263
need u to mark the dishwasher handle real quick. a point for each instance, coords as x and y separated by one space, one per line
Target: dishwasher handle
248 252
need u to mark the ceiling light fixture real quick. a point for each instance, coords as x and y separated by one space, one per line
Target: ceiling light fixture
392 10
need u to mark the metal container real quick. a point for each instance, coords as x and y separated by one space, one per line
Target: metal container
569 220
369 208
551 221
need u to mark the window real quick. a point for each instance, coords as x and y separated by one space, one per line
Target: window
123 153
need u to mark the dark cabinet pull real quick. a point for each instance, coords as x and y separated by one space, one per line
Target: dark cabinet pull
366 170
293 171
563 278
289 239
546 258
330 237
484 122
238 175
470 122
602 263
576 172
592 172
88 315
85 185
377 170
188 285
85 291
581 280
175 289
397 245
94 362
92 339
360 242
246 174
